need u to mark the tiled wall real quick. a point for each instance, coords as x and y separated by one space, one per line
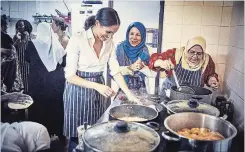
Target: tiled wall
186 19
234 73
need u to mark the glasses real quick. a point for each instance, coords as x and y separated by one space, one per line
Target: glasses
192 53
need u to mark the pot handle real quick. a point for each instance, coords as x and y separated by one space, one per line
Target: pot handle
167 137
224 117
153 125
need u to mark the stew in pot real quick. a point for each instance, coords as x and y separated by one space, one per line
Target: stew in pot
200 134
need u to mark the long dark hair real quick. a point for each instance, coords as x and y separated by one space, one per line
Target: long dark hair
60 22
106 16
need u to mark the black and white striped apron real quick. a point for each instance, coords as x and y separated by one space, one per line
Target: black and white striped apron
82 104
185 77
23 65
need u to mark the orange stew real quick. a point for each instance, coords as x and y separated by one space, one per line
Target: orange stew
200 134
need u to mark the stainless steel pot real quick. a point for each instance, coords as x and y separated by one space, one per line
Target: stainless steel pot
132 110
191 105
121 137
178 121
203 94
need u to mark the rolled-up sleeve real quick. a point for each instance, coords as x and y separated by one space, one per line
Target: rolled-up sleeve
72 57
113 63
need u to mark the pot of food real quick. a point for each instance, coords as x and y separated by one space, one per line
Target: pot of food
191 105
204 133
133 113
203 94
120 136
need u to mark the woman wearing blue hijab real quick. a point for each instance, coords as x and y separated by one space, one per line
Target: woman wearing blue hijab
133 55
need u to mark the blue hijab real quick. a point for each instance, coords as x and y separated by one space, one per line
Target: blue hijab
137 51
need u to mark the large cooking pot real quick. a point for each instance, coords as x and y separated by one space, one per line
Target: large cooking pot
120 136
189 120
191 105
203 94
142 112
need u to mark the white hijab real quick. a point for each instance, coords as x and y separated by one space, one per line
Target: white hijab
48 46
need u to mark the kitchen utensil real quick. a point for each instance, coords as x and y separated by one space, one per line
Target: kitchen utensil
133 110
183 89
203 94
178 121
120 136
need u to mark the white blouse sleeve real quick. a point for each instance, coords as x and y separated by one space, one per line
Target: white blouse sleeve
72 57
113 63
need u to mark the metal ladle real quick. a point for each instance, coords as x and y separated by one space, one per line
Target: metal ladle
183 89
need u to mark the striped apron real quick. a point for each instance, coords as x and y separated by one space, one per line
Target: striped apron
82 104
185 77
23 65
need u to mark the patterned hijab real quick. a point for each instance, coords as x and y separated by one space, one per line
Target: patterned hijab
199 40
138 51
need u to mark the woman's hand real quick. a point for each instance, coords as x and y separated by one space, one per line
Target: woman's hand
213 83
137 65
18 35
133 99
105 90
164 64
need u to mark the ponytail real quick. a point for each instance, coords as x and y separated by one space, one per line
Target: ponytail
90 21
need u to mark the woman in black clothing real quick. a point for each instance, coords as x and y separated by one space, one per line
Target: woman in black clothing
23 31
46 80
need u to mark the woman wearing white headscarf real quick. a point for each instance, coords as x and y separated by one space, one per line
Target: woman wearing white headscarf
46 79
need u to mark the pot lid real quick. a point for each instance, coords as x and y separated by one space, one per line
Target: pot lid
192 105
121 136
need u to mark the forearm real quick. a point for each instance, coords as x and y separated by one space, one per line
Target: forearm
76 80
125 70
122 84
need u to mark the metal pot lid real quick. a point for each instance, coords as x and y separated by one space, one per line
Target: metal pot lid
121 136
192 105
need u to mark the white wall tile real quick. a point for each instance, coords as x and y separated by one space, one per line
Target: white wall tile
212 51
220 69
173 14
239 110
167 45
240 36
237 36
196 3
224 36
32 6
211 34
192 15
238 14
228 3
14 6
213 3
238 59
171 33
14 14
22 6
211 16
226 16
5 6
188 32
222 53
240 89
174 3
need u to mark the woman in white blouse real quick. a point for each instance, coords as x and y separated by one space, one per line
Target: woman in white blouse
88 52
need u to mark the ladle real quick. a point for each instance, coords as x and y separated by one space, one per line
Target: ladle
183 89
